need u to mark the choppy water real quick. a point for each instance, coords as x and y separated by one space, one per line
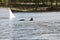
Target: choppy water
30 30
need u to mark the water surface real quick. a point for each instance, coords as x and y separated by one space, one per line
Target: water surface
29 30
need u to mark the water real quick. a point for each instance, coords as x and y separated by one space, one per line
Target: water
27 16
29 30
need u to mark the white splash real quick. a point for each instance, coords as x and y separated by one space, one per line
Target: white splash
11 14
6 13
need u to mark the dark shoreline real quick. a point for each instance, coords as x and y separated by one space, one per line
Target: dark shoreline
33 11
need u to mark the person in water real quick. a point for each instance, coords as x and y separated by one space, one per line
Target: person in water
31 19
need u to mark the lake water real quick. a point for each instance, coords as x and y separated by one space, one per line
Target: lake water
29 30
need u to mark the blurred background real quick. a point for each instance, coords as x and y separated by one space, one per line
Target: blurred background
31 5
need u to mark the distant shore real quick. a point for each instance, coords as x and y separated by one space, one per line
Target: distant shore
40 9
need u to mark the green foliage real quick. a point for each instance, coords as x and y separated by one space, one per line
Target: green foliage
0 0
29 0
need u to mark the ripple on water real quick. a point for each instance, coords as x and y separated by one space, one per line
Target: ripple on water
29 30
